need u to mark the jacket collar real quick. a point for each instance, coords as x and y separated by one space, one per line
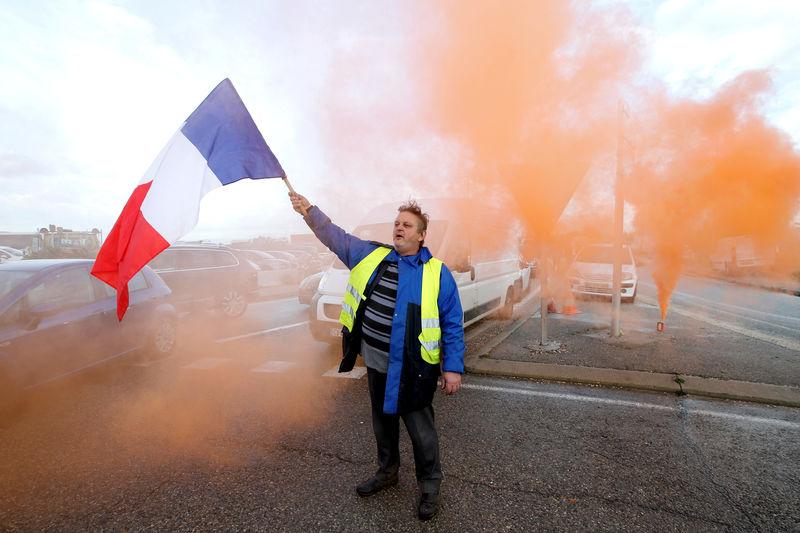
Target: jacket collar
422 257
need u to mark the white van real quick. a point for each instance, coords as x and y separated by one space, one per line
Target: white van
485 274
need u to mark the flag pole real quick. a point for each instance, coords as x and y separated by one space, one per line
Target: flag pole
291 190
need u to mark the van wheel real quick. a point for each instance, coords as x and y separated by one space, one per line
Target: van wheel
232 303
507 311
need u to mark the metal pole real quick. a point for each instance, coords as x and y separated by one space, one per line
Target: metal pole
619 205
544 297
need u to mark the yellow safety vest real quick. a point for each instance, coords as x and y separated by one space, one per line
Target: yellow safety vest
431 336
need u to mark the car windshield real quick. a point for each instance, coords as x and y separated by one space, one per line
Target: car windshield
602 254
11 279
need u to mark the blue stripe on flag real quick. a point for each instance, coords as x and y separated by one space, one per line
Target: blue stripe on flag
224 133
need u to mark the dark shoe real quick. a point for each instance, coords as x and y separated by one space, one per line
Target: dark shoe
428 505
375 484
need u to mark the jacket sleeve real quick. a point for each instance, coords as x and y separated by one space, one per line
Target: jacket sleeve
451 322
348 248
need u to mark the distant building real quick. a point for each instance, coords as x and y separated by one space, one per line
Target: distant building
55 241
20 241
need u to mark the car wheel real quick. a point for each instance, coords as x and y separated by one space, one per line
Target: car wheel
507 311
233 303
162 337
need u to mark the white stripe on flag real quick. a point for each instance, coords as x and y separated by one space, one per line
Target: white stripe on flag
172 205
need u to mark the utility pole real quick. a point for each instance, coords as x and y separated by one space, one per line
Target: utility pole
619 216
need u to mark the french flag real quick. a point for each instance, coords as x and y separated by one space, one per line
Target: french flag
217 145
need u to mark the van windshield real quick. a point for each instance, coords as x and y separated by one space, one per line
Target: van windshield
602 254
383 233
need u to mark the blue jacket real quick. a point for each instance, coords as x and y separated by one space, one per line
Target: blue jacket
408 382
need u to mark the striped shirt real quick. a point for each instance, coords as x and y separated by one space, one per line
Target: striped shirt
376 327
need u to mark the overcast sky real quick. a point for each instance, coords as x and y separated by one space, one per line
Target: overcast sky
92 90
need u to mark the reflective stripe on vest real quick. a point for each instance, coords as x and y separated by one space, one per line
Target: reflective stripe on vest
431 337
359 277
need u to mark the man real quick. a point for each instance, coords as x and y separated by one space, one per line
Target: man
402 314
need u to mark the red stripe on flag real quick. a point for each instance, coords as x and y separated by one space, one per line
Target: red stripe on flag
130 245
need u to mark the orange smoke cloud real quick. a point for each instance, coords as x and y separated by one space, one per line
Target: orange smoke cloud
516 106
711 170
530 99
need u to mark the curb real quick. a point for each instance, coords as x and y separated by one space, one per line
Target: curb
637 380
747 391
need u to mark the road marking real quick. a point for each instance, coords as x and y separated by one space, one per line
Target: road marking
358 372
566 396
262 332
151 362
274 366
207 363
711 303
282 300
785 343
745 418
626 403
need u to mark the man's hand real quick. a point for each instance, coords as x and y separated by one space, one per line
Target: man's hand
451 382
300 203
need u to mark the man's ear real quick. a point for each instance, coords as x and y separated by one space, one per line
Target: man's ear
422 235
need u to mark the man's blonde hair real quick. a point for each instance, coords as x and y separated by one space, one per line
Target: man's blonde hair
411 206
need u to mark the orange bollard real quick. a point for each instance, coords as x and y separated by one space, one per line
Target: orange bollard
569 305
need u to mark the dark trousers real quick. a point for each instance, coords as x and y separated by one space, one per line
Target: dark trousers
420 428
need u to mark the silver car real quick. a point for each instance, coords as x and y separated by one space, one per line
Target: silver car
592 272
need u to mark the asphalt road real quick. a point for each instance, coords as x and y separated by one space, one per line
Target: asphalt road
246 428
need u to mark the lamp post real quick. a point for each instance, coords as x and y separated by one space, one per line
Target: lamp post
619 216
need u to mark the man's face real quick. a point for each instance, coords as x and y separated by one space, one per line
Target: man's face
406 236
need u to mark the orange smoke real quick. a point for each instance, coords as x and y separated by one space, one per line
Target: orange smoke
531 89
516 106
711 170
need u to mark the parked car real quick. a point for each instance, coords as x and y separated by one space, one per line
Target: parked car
276 277
8 254
309 262
286 256
208 276
308 288
741 254
13 251
56 319
592 272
